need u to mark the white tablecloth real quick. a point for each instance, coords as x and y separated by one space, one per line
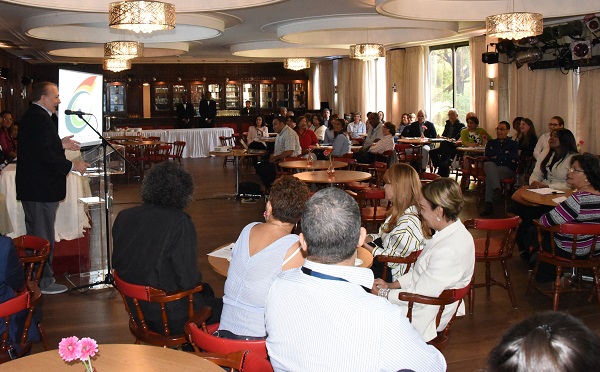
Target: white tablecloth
71 218
198 142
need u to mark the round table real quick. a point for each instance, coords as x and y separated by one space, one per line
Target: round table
473 150
353 148
237 154
415 141
315 164
534 197
117 357
221 265
340 176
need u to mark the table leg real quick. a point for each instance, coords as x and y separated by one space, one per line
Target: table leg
236 162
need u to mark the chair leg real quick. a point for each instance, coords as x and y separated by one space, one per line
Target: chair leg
488 278
532 277
43 337
509 287
596 283
557 288
471 298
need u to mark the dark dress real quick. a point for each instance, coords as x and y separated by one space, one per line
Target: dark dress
158 247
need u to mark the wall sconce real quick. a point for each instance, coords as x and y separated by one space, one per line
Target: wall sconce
394 88
335 89
492 84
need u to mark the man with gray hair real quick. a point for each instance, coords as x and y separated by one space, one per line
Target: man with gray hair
320 318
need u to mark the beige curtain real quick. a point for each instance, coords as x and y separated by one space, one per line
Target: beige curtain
539 95
483 101
326 84
414 79
352 75
588 111
394 70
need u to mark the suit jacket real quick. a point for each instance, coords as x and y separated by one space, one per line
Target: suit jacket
186 112
207 109
42 166
452 130
248 111
414 130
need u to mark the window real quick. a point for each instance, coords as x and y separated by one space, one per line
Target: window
450 82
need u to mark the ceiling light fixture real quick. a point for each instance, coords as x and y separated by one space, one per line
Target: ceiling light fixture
123 49
367 51
514 25
141 16
296 64
116 64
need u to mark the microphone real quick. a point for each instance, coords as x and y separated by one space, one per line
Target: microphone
78 113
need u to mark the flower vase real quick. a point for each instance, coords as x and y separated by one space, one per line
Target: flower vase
330 170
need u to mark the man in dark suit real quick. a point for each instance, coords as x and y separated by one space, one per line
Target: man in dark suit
42 170
443 155
185 114
248 109
421 127
207 111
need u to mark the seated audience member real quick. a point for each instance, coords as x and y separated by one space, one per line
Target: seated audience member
404 122
381 115
446 262
357 127
443 155
341 141
320 129
306 136
156 244
548 341
256 133
289 121
473 135
542 144
385 144
374 130
7 141
502 153
527 140
581 207
516 125
425 128
402 232
248 109
551 170
326 118
260 254
309 310
12 281
286 145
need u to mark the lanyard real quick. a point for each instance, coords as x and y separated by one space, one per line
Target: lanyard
317 274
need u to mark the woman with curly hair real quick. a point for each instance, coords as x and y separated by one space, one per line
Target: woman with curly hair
403 232
262 251
155 244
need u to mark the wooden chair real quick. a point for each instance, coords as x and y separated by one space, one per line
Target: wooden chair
386 260
26 300
376 169
373 209
589 261
242 361
449 296
475 170
177 150
137 326
33 252
282 172
507 187
227 141
427 177
497 245
351 162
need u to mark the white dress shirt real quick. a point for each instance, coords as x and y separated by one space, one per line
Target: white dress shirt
541 146
316 324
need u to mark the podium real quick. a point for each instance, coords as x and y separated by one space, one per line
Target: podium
99 209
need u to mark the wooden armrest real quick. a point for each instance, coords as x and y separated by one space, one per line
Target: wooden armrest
200 317
417 298
351 193
411 258
167 297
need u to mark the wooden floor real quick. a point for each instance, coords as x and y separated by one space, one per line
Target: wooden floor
100 313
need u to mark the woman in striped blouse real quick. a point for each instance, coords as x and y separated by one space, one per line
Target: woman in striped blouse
403 232
583 206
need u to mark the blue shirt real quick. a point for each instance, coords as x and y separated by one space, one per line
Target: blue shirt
503 152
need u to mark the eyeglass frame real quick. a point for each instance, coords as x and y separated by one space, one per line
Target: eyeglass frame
571 170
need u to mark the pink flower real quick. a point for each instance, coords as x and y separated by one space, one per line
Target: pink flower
69 349
581 142
326 152
89 348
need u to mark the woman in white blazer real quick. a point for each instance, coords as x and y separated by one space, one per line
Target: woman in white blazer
447 261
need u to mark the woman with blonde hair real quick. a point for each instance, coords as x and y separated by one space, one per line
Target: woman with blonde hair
403 232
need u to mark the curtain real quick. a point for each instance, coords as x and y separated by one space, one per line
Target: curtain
326 84
352 78
588 113
483 102
394 71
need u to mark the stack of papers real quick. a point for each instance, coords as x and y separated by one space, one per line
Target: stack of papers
546 191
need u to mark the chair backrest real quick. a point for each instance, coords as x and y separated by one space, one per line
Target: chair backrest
351 162
227 141
204 340
490 226
242 361
408 260
447 297
20 302
177 151
138 325
476 163
575 229
153 138
33 252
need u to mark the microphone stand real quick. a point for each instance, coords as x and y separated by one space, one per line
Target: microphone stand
108 279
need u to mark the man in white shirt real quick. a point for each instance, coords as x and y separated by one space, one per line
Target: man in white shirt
319 318
357 127
542 144
287 145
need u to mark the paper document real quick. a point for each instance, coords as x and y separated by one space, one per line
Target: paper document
224 252
546 191
559 200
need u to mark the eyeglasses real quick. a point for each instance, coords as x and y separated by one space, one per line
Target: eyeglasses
554 124
575 170
501 129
